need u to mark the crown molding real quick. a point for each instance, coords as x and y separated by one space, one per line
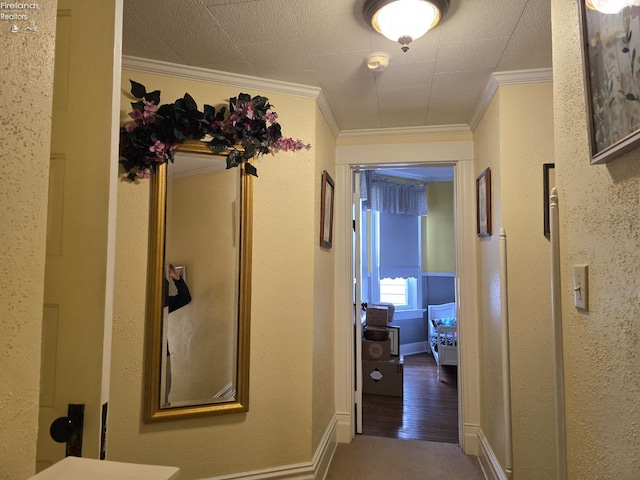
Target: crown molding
405 131
499 79
297 90
323 104
200 74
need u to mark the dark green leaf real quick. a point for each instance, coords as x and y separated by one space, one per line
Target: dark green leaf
250 169
137 89
631 96
190 102
234 158
625 50
153 97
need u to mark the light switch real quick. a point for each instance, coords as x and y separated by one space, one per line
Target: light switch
580 287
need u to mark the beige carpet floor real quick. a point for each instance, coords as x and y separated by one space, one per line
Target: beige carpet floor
379 458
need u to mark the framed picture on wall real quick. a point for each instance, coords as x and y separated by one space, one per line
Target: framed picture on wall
483 203
609 45
326 210
394 336
548 182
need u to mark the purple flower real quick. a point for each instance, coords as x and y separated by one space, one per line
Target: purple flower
143 173
270 117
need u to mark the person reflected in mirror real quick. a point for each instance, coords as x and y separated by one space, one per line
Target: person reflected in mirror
174 302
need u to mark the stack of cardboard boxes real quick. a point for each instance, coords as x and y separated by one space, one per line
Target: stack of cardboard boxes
382 372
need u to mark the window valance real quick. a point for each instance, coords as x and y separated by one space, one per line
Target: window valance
385 195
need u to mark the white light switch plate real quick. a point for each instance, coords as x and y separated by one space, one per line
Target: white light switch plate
580 287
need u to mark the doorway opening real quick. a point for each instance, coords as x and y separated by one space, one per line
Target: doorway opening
406 256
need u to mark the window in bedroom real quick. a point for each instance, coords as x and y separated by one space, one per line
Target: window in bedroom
391 215
395 269
399 291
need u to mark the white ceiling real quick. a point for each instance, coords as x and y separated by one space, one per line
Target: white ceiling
324 43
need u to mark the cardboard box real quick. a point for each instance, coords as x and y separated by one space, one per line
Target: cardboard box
374 332
383 377
380 314
376 350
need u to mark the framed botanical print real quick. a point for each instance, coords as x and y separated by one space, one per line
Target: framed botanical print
610 43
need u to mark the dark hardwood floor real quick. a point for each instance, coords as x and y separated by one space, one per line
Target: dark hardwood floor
427 411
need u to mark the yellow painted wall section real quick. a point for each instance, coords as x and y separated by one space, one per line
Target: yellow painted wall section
600 227
76 271
277 429
438 230
324 299
526 135
26 85
487 139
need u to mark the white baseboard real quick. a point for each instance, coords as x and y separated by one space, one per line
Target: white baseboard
412 348
488 460
470 439
316 469
344 428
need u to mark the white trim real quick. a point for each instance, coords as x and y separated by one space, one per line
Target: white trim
112 204
460 155
344 365
488 461
408 314
314 470
188 72
413 348
470 432
325 109
556 319
506 361
404 131
498 79
439 274
515 77
343 429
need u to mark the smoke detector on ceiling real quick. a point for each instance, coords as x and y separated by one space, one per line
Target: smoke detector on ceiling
377 62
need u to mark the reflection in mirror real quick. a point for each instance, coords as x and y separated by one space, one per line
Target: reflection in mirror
197 350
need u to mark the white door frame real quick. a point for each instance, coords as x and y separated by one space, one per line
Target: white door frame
460 155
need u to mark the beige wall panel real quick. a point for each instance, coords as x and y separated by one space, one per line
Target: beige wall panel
600 226
487 149
526 134
25 102
277 429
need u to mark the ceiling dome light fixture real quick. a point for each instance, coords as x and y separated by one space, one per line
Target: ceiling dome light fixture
405 20
610 6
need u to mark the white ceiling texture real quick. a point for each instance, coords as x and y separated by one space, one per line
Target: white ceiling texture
440 81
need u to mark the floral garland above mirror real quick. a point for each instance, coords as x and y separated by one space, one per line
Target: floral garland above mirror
158 129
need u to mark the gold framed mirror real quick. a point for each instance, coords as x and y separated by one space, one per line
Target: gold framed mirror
198 313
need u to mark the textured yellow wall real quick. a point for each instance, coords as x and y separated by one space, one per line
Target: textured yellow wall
324 271
439 229
526 133
600 226
77 272
513 139
277 429
487 154
26 86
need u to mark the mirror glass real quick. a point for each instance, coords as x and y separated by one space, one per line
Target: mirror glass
199 278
